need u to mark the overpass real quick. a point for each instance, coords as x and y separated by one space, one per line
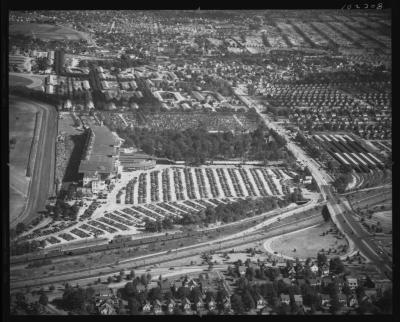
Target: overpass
338 207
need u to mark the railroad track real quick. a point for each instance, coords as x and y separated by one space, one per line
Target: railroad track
172 255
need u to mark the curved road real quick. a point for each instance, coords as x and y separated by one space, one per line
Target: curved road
41 184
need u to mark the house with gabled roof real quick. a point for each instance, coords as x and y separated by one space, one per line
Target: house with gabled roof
211 304
324 270
352 301
325 299
171 304
242 270
298 299
285 298
146 308
342 299
198 302
260 301
226 303
351 282
186 305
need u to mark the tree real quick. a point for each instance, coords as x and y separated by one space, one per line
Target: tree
155 294
129 289
237 304
385 303
248 301
336 266
321 259
20 228
73 299
335 305
143 279
284 309
346 290
183 292
122 273
325 213
148 276
133 305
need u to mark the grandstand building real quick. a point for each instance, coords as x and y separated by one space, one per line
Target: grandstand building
101 158
131 160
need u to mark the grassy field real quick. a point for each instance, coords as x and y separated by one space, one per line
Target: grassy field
307 242
47 32
21 127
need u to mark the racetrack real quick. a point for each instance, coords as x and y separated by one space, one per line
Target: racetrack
42 178
28 80
47 32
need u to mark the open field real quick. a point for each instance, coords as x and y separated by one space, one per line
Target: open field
307 243
47 32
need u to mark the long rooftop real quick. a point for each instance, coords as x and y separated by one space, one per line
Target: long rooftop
101 152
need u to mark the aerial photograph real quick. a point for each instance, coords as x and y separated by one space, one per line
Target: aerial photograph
200 162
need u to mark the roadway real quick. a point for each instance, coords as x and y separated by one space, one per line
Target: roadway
339 209
342 212
43 174
253 234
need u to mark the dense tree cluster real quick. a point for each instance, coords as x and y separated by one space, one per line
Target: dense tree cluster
63 211
78 300
341 182
225 213
20 248
231 212
197 145
158 226
312 149
325 213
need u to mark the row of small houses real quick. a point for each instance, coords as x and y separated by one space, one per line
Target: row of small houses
205 303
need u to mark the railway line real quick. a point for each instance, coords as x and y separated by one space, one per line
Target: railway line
167 256
60 253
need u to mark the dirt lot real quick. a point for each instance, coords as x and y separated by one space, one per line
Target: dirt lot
306 243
